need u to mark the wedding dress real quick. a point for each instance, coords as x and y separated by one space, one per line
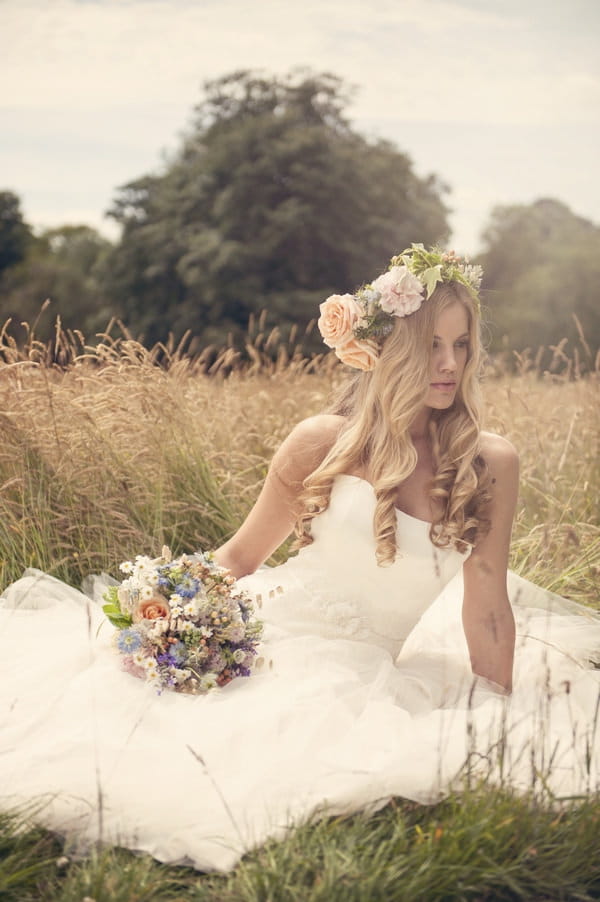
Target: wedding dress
365 692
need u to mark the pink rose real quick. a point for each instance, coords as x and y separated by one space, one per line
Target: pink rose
154 609
362 354
401 292
339 315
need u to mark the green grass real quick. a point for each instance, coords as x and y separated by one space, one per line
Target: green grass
482 845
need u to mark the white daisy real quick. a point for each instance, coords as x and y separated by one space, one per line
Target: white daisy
208 681
151 668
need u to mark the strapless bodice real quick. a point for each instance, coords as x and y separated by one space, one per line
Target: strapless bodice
335 588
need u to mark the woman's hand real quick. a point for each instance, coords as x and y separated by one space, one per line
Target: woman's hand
487 615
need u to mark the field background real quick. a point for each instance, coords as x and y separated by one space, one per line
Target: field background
110 455
114 455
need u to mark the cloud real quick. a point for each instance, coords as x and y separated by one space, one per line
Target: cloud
489 96
411 58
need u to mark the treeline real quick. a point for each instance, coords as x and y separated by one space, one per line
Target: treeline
271 203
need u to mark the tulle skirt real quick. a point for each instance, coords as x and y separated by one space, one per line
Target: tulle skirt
326 725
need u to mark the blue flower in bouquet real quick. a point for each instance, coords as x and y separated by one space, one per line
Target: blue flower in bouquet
128 641
178 652
188 591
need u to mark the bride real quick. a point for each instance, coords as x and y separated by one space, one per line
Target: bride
399 655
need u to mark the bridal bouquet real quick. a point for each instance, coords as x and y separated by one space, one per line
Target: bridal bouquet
183 623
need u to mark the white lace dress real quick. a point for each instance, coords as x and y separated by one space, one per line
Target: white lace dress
365 693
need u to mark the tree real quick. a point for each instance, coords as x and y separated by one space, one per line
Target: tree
274 202
541 269
15 235
61 264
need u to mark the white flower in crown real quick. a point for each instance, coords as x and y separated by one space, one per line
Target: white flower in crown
401 293
473 274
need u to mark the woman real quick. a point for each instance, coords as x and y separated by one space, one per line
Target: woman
390 646
410 430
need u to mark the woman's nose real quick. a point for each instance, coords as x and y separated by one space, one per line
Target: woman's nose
447 362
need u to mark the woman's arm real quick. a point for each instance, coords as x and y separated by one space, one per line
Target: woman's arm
272 518
487 615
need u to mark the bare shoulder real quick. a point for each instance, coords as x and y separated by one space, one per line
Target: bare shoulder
503 467
319 431
500 455
306 446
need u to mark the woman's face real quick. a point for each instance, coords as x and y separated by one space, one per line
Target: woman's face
449 356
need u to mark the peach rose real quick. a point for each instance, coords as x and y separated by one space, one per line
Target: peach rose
339 315
362 354
153 609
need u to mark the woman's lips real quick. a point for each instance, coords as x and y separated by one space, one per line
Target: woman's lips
444 386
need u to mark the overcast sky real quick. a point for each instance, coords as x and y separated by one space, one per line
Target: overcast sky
500 99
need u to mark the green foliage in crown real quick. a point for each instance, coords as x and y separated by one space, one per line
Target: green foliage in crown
436 265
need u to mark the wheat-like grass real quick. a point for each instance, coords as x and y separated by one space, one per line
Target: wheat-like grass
121 449
555 425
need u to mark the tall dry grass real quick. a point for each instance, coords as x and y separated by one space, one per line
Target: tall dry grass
117 449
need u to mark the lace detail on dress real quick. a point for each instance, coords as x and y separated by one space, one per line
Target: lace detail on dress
335 614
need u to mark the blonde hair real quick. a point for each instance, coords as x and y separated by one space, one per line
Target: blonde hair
379 407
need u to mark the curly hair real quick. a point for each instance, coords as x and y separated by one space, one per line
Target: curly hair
379 407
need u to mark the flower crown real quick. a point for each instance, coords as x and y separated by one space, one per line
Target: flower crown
354 325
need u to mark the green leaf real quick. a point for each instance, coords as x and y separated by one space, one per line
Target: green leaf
431 277
111 595
116 616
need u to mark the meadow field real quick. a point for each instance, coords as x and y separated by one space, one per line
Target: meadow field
114 450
